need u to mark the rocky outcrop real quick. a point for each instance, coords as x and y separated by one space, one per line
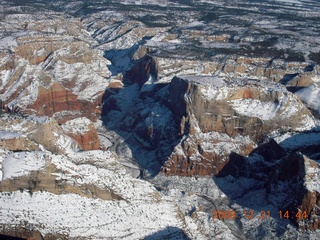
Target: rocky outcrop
54 74
292 74
289 180
193 124
237 113
54 180
246 107
145 68
296 177
83 131
20 233
57 99
36 49
257 164
34 133
18 143
270 151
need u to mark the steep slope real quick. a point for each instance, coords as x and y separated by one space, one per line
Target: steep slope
52 71
191 125
97 199
219 117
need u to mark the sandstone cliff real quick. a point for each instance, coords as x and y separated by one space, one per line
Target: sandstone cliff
84 132
214 112
54 74
296 179
34 133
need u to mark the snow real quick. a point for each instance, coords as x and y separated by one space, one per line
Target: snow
8 42
195 24
145 2
279 103
221 143
22 163
316 79
142 212
38 119
291 141
312 177
145 212
255 108
5 135
280 107
89 218
311 96
77 126
213 81
65 142
289 1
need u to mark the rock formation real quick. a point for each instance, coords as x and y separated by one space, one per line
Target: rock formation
34 133
145 68
296 177
232 111
212 107
83 131
54 75
50 178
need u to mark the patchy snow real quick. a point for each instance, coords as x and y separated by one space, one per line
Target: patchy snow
213 81
38 119
145 212
221 143
145 2
312 176
289 1
282 106
195 24
316 79
77 126
65 142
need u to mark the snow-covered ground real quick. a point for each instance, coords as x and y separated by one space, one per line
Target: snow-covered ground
141 213
77 216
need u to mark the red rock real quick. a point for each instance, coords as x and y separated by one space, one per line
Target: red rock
83 131
56 99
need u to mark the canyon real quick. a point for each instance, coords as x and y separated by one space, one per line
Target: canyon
136 120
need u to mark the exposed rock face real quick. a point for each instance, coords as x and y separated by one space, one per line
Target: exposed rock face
51 64
84 132
20 233
57 99
55 74
234 107
293 74
290 181
143 70
18 143
53 180
269 151
239 113
256 165
33 133
299 176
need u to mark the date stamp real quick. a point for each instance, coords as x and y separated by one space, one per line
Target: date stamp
261 215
